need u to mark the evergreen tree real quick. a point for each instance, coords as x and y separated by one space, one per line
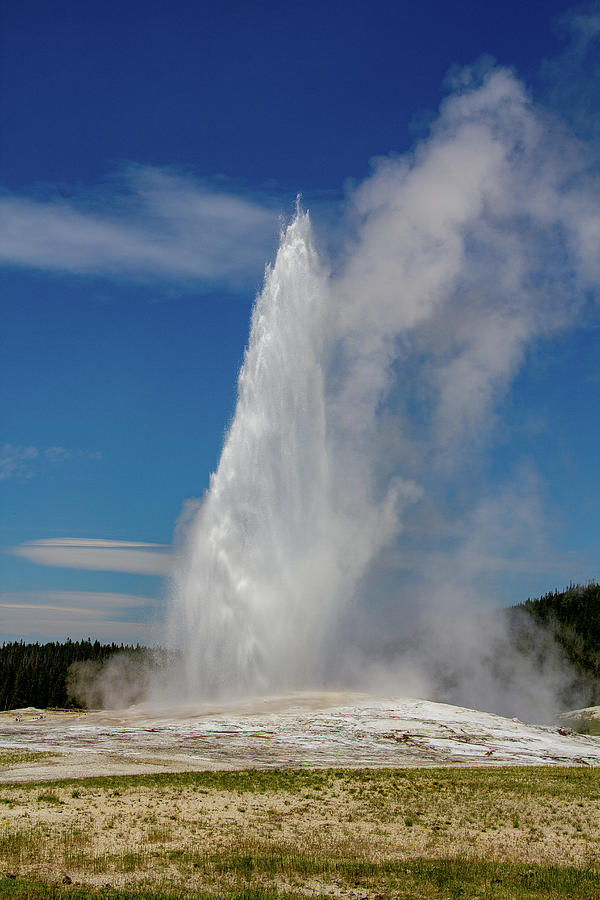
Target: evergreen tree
572 617
36 674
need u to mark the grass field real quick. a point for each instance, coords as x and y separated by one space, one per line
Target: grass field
14 757
442 833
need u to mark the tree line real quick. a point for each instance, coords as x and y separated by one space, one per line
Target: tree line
572 618
36 674
41 674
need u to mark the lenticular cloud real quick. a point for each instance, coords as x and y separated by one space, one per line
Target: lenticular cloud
368 394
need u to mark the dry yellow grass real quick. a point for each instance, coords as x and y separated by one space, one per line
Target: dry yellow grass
197 830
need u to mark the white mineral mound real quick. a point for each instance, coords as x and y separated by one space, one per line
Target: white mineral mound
307 729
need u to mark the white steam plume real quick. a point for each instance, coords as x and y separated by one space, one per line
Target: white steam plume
366 398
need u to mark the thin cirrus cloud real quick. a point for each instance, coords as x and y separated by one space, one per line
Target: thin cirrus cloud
23 462
56 614
97 555
83 603
149 223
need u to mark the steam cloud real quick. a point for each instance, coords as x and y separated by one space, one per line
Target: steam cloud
348 512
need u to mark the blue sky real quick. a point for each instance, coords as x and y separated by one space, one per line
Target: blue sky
149 154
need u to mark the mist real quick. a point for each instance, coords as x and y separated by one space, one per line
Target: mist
350 531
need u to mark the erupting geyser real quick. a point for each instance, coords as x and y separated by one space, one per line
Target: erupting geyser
246 580
371 391
267 562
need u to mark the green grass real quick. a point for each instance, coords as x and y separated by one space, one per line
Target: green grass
260 842
434 879
557 782
16 757
48 797
247 781
37 889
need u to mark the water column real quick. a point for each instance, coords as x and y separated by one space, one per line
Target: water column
256 579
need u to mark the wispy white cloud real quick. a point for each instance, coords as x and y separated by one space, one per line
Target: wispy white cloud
570 80
77 614
16 461
84 603
97 555
24 462
149 223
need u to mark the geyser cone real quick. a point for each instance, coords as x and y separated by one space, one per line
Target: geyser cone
248 596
